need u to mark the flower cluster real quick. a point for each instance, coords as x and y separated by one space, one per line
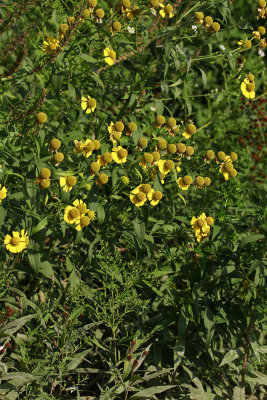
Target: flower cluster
76 214
201 226
145 192
207 22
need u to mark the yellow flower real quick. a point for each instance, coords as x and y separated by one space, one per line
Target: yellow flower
50 45
67 182
154 197
105 159
88 148
88 104
110 56
131 13
71 214
190 129
79 146
184 182
137 197
114 134
16 243
168 9
201 227
81 222
119 154
247 88
3 192
165 166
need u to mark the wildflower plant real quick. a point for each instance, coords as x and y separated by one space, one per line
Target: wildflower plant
132 195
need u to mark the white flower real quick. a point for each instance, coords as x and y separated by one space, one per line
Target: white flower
130 29
153 11
194 27
222 47
261 53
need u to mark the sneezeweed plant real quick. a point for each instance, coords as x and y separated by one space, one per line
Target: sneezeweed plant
129 198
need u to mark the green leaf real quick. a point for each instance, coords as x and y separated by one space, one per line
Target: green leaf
150 392
139 228
39 226
14 326
209 323
230 356
87 58
250 239
239 393
76 360
204 77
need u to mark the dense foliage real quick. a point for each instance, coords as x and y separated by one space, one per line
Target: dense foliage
133 199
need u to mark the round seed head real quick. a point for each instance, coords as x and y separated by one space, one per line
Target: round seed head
250 86
86 13
228 166
216 26
233 156
119 126
207 181
148 158
52 46
191 128
99 13
142 142
175 128
209 155
171 148
181 147
122 153
157 195
140 196
168 8
156 155
44 183
262 3
199 181
171 122
71 180
199 15
71 20
208 20
75 213
107 157
116 135
126 3
189 150
132 127
91 103
169 164
162 144
221 155
82 208
85 221
210 220
90 146
247 44
96 144
63 28
146 188
41 118
112 54
160 120
116 26
187 179
15 241
233 173
58 157
55 144
262 30
92 3
251 77
45 173
201 222
103 178
94 167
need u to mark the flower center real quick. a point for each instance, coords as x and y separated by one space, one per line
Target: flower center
15 241
82 208
140 196
75 213
71 180
122 153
